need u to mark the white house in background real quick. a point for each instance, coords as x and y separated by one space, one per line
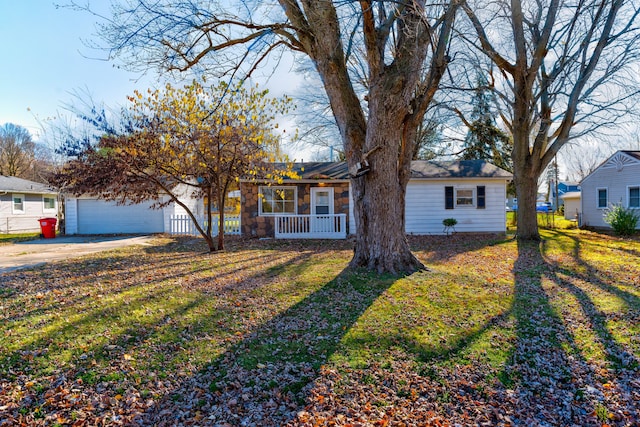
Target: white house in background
320 205
572 204
23 203
616 181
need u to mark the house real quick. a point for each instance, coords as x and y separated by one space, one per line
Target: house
563 187
615 181
23 203
319 204
572 205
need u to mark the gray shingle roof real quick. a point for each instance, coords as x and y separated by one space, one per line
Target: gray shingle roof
420 169
456 169
19 185
322 170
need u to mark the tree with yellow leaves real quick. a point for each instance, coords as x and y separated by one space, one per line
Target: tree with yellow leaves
196 141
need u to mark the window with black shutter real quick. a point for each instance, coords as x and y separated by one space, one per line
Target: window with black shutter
448 197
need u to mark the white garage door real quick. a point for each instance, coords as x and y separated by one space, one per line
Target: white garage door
100 217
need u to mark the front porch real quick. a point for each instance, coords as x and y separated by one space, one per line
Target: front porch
327 226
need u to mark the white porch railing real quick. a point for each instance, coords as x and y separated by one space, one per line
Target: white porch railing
182 225
311 226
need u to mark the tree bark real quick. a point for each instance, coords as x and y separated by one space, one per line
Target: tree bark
379 201
379 195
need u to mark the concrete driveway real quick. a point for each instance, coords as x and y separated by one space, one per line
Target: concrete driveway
36 252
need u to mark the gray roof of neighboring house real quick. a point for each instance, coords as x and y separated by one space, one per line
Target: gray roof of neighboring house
19 185
420 169
635 154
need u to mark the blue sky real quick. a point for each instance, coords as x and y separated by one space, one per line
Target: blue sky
44 61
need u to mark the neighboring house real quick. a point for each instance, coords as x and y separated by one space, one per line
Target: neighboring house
616 181
319 204
572 205
23 203
564 187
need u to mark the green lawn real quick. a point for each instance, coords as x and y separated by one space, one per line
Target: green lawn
19 237
270 332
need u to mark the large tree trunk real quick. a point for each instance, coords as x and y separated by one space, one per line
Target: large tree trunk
527 217
526 171
379 195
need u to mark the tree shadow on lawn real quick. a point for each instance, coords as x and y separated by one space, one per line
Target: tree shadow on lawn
63 282
262 378
111 367
105 346
556 378
436 249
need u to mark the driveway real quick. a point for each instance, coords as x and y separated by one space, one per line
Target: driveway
37 252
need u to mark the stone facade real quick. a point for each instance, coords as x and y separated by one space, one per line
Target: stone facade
255 225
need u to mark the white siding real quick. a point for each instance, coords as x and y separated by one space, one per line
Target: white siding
616 175
26 221
425 207
71 216
195 205
572 208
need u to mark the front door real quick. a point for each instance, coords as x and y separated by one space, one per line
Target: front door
322 210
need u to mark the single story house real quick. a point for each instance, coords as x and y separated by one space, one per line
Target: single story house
615 181
23 203
319 204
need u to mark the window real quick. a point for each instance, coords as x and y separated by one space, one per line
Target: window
277 200
634 197
49 203
603 199
18 203
464 197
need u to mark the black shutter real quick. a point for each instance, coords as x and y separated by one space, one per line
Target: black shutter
481 197
448 197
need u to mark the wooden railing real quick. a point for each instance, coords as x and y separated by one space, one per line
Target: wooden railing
332 226
182 225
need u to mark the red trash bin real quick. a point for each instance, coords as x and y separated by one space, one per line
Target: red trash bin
48 227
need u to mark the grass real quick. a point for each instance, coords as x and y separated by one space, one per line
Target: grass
18 237
554 221
148 321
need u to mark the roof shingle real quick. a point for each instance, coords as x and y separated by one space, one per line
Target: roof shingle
14 184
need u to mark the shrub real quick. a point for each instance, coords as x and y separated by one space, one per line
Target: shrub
449 224
623 221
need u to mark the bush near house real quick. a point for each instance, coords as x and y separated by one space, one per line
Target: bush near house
623 220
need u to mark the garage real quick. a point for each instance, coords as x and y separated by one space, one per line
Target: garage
95 216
